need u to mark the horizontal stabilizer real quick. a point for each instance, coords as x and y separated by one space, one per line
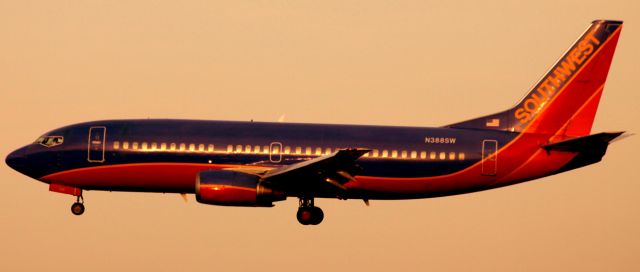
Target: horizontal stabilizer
584 143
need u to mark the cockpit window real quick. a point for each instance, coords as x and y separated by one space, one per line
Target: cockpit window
50 141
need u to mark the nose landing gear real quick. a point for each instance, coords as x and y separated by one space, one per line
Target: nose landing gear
78 207
308 213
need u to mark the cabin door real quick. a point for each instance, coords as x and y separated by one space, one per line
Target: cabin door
96 144
489 157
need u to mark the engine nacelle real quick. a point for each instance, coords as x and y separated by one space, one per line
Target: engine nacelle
229 188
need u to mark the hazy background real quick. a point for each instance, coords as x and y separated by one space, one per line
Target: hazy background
415 63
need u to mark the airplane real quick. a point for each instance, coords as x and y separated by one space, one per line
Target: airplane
254 164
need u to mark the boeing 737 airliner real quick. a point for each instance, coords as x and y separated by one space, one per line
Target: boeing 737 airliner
255 164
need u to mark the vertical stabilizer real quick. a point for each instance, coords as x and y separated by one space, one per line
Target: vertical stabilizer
566 98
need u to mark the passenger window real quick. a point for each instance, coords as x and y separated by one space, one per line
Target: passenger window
318 151
414 154
192 147
201 147
375 153
163 146
287 150
256 149
125 145
238 148
182 146
116 145
423 155
298 150
154 146
134 145
247 149
385 153
173 146
307 151
432 155
275 150
403 154
327 151
265 149
461 156
144 146
452 155
443 155
211 148
394 154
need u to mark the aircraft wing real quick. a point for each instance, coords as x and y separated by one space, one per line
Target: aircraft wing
337 161
329 171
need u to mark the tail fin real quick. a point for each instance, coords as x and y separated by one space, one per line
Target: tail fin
566 98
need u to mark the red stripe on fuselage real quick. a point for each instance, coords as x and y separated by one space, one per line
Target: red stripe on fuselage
153 177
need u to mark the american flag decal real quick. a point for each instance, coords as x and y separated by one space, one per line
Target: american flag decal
493 122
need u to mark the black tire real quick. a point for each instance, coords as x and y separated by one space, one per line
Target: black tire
77 208
318 215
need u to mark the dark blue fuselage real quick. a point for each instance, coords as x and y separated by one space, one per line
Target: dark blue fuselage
408 151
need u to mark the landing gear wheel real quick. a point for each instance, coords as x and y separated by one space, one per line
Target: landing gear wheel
308 214
77 208
304 215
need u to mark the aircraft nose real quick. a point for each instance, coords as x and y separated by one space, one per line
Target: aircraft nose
17 160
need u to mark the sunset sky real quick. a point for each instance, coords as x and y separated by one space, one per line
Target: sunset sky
407 63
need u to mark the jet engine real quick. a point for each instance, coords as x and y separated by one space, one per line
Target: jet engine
230 188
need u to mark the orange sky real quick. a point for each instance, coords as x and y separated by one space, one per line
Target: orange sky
418 63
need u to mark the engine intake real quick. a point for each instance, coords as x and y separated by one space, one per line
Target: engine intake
229 188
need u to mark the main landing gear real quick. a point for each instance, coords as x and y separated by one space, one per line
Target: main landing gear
308 214
78 207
